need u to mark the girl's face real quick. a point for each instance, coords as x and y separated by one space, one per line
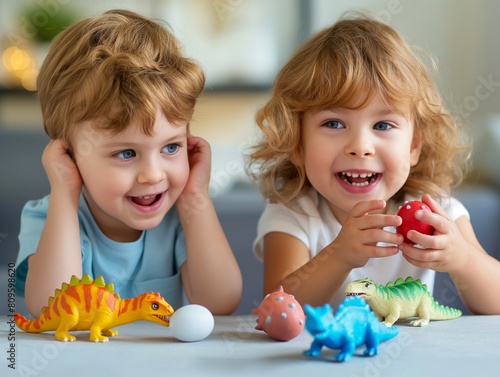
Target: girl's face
357 155
131 180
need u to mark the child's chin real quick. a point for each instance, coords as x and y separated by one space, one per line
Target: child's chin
147 225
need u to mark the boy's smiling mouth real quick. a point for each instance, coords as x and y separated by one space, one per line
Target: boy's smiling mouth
358 179
146 200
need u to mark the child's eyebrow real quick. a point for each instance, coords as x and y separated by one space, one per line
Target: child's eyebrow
385 112
133 143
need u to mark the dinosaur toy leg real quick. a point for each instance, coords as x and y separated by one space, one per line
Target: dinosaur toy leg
315 349
424 314
101 335
66 324
347 351
110 332
371 342
394 314
101 327
96 334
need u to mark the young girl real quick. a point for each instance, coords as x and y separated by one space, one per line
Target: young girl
128 183
354 128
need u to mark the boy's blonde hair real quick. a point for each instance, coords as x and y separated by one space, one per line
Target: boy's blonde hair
114 69
345 66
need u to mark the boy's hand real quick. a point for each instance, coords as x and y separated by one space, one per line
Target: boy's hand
357 241
441 250
200 156
60 168
195 197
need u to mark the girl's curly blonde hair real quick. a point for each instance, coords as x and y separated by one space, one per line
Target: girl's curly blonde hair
344 66
113 69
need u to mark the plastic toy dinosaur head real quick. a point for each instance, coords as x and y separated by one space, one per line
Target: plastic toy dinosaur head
364 288
154 308
318 319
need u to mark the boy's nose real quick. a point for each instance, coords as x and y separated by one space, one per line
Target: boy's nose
151 173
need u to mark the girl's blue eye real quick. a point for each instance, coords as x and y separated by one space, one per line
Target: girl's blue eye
171 148
126 154
335 124
382 126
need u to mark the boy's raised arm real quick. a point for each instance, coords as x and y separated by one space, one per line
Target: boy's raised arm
58 255
210 275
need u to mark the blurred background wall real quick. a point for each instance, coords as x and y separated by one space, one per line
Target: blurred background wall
242 44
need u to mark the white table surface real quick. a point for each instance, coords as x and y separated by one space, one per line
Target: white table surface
467 346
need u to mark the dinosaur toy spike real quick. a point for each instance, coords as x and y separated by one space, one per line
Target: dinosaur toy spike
400 281
97 309
110 287
99 281
86 279
57 292
74 281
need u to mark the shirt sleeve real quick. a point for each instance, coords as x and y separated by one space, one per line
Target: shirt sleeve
454 208
279 218
33 218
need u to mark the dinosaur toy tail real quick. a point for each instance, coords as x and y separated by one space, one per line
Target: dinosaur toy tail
26 325
387 333
441 312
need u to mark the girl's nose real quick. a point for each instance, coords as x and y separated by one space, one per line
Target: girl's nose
360 146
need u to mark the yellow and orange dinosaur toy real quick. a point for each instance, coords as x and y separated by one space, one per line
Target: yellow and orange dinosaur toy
93 305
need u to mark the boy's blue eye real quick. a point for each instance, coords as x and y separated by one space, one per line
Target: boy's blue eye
382 126
170 148
335 124
126 154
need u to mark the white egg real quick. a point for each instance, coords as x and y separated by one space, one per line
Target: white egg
191 323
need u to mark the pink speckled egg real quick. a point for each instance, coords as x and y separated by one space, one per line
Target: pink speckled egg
280 316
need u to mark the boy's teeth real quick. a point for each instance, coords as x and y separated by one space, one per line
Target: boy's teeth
145 200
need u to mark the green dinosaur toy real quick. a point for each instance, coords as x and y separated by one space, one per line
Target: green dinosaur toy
88 304
401 299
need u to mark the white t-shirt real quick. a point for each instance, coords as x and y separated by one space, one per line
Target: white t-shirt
315 225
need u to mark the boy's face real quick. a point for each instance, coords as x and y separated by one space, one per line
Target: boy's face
354 155
131 180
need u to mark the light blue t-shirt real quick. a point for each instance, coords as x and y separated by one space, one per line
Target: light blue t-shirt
150 264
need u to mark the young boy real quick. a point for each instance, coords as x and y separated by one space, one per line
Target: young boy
117 96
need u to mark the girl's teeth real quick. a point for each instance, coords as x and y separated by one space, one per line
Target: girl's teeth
346 175
357 175
360 184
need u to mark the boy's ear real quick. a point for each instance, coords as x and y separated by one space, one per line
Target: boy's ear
69 149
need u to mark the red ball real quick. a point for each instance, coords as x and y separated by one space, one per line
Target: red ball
410 222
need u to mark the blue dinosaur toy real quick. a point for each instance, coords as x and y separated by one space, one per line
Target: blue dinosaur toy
353 325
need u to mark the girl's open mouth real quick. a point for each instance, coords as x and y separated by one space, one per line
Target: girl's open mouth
358 179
